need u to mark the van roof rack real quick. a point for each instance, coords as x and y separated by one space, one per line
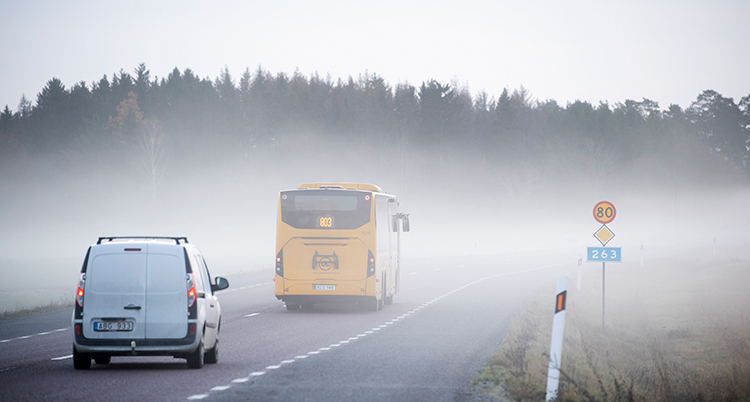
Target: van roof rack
113 238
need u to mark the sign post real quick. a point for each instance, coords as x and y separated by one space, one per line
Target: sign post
604 213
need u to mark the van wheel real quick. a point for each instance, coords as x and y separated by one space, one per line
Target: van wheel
212 356
103 359
81 361
195 359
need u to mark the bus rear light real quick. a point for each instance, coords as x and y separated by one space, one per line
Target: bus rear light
79 292
370 264
280 263
191 290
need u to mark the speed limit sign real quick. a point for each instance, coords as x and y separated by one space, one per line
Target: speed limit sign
604 212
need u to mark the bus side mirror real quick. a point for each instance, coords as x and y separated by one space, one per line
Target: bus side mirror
406 224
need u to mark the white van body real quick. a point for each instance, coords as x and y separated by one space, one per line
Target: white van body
146 296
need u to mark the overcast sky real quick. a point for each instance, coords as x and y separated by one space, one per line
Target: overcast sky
599 50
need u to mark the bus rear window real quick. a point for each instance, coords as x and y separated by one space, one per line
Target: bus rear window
325 209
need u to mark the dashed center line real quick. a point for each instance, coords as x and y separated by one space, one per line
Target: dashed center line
63 357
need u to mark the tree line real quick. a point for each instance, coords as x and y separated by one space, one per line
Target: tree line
176 116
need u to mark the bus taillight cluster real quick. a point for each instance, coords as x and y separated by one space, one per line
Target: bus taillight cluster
370 263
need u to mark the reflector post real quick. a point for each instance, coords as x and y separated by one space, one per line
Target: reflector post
555 351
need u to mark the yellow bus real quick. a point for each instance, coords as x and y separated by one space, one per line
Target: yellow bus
338 242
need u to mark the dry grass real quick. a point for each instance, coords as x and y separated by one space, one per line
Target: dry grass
677 334
51 305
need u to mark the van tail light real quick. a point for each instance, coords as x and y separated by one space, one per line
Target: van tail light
370 264
191 290
79 292
280 263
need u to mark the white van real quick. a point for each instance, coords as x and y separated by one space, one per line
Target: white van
146 296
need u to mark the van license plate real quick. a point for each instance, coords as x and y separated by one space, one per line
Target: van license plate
113 325
324 287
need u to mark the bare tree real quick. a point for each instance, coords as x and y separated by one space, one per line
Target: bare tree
154 156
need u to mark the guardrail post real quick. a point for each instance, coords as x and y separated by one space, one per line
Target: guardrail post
555 350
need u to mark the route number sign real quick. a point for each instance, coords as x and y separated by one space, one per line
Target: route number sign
603 254
604 212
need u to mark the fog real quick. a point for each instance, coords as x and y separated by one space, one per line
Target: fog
459 205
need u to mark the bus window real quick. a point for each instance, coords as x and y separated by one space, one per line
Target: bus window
324 209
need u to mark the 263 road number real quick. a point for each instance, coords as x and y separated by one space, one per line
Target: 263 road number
604 212
604 254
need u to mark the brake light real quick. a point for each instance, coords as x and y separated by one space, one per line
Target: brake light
280 263
79 292
370 264
191 290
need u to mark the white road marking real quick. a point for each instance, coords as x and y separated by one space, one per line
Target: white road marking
63 357
273 367
257 373
287 361
44 333
301 357
252 315
220 388
241 380
197 397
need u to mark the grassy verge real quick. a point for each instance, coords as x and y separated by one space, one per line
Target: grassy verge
51 305
680 333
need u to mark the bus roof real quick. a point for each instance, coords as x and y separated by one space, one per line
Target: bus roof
345 186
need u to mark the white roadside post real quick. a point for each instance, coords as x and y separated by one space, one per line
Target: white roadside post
555 350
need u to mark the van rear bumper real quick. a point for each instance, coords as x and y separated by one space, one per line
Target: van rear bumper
124 346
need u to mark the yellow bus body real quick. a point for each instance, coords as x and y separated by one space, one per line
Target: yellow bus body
337 242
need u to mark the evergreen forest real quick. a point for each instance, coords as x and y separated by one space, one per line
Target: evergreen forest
434 133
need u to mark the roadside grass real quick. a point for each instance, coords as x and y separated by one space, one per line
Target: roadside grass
671 334
63 302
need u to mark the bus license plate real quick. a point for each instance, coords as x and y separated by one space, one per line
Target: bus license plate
324 287
113 325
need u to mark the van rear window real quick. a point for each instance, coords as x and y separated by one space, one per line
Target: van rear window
117 273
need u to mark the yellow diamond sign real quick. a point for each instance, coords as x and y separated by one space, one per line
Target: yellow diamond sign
604 235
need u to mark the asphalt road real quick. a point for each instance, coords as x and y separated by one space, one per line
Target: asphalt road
448 317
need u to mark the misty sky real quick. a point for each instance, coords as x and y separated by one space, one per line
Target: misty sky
668 51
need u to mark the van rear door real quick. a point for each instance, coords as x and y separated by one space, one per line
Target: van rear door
166 296
115 294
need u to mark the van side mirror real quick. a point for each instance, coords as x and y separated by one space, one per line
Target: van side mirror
221 284
406 224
